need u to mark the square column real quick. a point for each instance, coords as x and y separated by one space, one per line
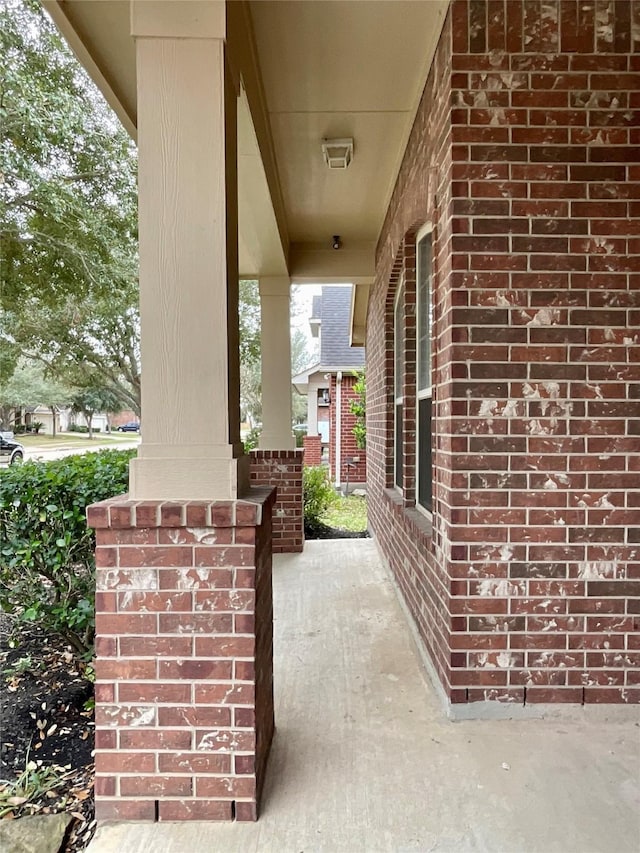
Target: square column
282 469
184 667
187 104
275 295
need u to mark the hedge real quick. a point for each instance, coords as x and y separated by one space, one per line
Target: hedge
47 566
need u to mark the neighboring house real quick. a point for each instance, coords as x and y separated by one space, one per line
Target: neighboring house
65 418
99 421
124 417
43 414
28 415
328 385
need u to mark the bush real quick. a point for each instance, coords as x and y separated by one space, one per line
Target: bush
47 566
318 494
358 407
81 428
252 439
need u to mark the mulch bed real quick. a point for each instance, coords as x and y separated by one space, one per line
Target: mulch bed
323 531
47 731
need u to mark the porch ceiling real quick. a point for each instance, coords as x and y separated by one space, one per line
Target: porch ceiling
310 69
345 69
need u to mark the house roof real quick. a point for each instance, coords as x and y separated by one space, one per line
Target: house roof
335 313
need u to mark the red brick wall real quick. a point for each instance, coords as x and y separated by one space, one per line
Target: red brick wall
124 417
282 469
312 450
349 449
184 693
525 157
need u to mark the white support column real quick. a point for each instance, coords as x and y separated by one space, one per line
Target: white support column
275 294
187 146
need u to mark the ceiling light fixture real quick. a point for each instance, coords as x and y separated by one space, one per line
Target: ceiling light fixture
337 153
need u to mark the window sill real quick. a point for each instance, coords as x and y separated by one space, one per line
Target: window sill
419 523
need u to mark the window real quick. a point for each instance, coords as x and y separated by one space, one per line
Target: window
424 385
398 351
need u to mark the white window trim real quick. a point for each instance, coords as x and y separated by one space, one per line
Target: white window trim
426 393
397 400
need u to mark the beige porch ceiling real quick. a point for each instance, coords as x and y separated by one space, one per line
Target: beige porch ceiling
310 69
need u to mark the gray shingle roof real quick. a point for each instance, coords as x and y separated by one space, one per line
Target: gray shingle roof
335 313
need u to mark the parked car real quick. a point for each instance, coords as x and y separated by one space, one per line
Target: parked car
132 426
11 451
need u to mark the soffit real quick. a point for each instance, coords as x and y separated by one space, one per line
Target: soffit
99 34
354 68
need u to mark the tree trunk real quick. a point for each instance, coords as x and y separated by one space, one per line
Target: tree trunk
53 421
5 417
88 416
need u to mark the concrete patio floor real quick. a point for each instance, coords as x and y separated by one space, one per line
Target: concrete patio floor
365 761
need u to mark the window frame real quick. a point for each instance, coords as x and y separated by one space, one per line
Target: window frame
398 399
424 393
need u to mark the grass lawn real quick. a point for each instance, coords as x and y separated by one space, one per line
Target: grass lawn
70 440
348 513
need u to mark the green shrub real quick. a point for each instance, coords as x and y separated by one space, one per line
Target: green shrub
358 407
47 567
318 494
82 428
252 439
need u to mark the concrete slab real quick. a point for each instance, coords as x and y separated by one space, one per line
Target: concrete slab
365 761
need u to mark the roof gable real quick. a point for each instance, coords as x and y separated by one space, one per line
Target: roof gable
335 313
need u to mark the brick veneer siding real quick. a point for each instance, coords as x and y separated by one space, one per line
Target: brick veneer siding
282 469
525 158
312 449
349 449
184 669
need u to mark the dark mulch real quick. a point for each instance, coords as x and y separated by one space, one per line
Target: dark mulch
323 531
45 723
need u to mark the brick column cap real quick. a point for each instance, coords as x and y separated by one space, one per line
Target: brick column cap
123 512
278 454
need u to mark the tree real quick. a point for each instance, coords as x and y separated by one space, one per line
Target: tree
299 361
68 219
249 321
92 399
358 407
250 351
29 386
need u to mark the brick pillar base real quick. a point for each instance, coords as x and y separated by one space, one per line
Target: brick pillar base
312 449
184 669
282 469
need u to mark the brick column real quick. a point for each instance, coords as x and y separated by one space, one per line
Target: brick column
282 469
184 669
312 450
